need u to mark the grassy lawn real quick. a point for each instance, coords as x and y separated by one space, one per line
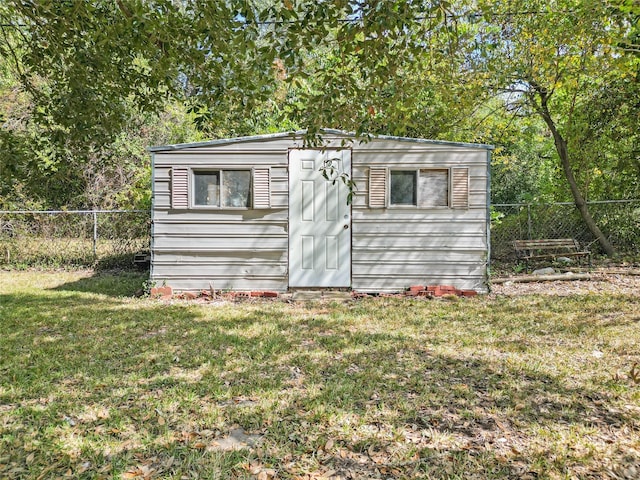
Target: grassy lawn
97 384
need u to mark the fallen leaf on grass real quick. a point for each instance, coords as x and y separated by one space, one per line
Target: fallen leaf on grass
261 473
634 374
188 436
143 472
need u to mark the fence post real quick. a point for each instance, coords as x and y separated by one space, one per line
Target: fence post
529 222
95 235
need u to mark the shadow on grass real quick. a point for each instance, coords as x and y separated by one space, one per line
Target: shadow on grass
100 384
120 283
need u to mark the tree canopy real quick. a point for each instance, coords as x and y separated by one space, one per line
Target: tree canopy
85 86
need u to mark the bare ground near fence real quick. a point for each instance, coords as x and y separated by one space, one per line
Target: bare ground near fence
622 280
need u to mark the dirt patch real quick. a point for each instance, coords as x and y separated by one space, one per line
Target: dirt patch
601 282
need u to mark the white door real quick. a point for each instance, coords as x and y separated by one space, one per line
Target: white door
319 219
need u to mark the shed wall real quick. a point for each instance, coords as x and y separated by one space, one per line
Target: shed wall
392 248
243 249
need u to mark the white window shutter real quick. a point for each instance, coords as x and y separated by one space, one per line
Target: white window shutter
377 187
460 188
262 188
179 188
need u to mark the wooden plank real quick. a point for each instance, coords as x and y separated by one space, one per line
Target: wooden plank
543 278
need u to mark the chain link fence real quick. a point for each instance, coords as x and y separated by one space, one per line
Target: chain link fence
111 238
75 238
619 220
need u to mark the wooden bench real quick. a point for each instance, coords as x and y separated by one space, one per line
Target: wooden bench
549 248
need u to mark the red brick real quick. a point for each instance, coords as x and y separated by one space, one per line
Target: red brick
355 294
416 288
469 293
162 292
257 294
189 296
424 293
448 289
412 293
268 294
242 294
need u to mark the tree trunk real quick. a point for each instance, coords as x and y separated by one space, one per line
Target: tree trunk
563 153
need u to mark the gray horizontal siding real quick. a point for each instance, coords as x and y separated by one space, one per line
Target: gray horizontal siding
407 256
182 283
211 257
418 268
219 229
224 267
217 271
225 249
221 159
417 215
399 283
228 243
222 216
417 243
396 248
419 159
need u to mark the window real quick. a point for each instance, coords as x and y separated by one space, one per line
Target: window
403 188
206 188
423 188
222 188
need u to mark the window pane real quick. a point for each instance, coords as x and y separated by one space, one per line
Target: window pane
403 188
206 188
433 188
236 188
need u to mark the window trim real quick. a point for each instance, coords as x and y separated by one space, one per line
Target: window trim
416 171
220 171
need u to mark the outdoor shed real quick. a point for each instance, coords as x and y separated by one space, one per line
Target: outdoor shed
264 213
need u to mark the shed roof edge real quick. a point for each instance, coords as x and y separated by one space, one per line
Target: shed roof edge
300 133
